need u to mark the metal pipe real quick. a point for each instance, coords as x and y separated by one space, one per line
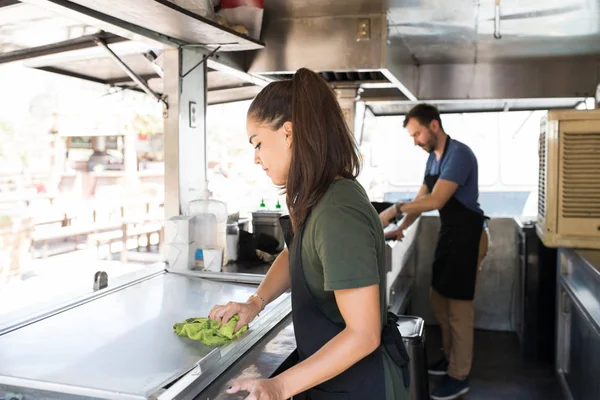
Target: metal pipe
130 72
497 34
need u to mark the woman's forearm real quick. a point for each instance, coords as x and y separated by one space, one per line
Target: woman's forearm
277 280
339 354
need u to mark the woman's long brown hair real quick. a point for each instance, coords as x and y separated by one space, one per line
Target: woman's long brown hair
323 147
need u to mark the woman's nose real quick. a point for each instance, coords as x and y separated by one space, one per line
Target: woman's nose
256 157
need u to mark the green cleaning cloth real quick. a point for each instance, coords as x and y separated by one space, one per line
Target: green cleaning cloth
208 331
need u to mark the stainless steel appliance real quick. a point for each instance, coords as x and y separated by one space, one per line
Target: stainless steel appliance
267 222
536 305
578 315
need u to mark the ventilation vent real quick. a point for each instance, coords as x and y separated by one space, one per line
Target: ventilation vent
542 174
334 77
580 175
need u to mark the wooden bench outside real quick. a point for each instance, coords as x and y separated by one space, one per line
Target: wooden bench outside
124 234
44 236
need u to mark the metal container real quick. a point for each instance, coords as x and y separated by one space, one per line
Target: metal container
413 335
267 222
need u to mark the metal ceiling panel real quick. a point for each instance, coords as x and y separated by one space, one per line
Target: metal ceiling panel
435 29
428 49
23 26
462 31
222 87
222 80
158 20
320 8
73 49
545 78
105 68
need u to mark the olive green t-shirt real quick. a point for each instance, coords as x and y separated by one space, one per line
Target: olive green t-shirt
343 247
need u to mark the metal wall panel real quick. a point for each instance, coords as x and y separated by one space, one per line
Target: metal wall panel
543 78
321 44
494 296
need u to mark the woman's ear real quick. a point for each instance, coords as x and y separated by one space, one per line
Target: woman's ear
289 132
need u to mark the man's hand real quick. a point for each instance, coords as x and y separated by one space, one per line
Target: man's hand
397 234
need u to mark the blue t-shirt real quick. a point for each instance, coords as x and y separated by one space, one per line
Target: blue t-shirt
459 166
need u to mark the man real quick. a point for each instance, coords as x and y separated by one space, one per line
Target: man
450 186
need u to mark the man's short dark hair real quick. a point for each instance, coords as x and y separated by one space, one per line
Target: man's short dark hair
424 113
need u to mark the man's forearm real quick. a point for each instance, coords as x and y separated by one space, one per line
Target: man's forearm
423 204
408 220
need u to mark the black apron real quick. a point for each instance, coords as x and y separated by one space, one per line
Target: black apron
312 329
457 249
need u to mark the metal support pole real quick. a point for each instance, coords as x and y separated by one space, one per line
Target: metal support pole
143 84
185 128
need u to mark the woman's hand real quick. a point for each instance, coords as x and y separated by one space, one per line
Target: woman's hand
259 389
246 311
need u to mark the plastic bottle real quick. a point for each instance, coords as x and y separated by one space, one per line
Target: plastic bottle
233 239
210 230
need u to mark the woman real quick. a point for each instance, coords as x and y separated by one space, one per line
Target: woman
335 266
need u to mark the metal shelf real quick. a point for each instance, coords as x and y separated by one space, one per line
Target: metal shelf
166 19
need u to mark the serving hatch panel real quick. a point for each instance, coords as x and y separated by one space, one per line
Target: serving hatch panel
121 345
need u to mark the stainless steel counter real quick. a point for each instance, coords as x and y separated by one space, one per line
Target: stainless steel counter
260 363
578 327
119 343
247 268
401 269
122 345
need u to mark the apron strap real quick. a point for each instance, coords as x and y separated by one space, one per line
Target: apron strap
393 343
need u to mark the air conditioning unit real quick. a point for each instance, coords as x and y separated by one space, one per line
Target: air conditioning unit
569 179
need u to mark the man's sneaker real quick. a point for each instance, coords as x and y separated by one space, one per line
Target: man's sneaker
450 388
439 368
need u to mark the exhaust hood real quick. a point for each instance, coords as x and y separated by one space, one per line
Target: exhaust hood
338 47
